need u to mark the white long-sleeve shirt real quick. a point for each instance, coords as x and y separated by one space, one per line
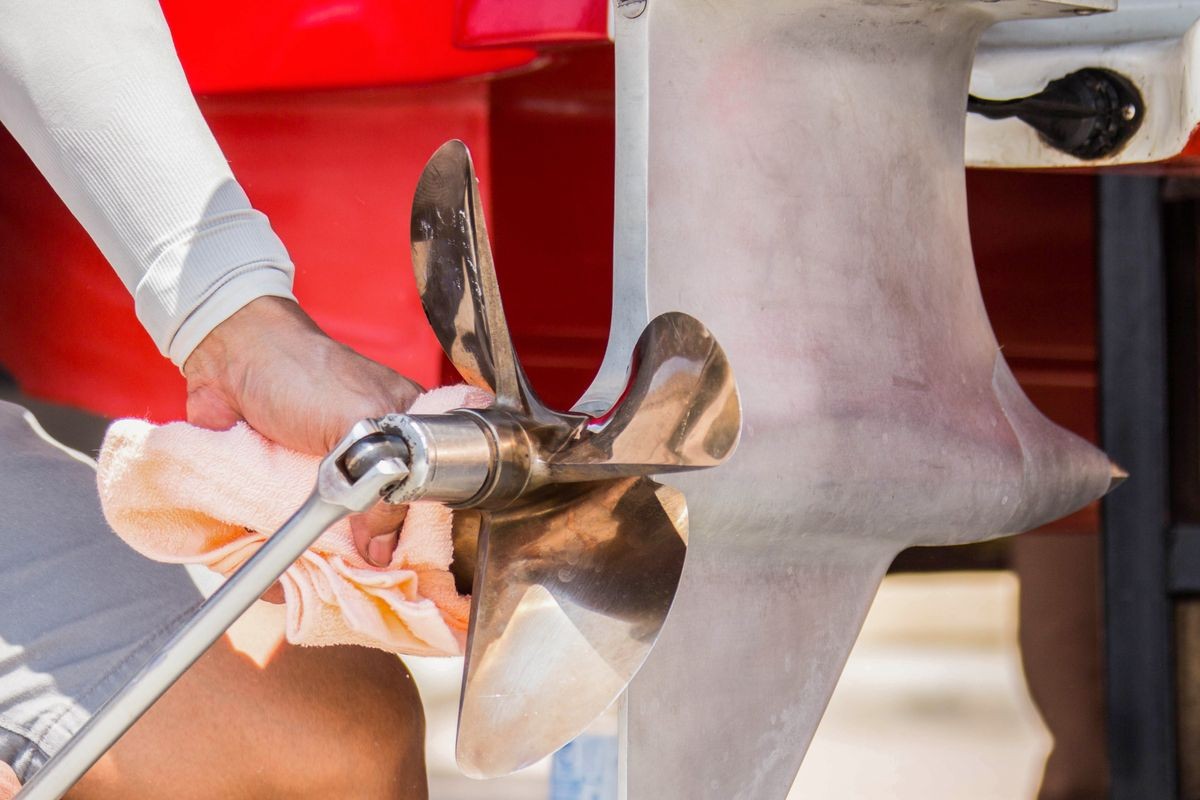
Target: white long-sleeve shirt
94 93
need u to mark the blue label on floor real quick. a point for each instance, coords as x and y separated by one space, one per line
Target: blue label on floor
585 769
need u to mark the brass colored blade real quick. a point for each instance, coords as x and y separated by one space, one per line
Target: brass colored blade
680 409
571 591
456 279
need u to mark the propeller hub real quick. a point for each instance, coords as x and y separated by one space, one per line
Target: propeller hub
465 459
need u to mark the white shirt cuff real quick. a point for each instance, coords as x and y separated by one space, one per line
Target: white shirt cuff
204 275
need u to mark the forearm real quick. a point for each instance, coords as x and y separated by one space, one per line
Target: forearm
94 93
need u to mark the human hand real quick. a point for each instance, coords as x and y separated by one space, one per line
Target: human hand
270 365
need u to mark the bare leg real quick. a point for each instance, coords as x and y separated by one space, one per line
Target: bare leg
314 722
1061 650
8 782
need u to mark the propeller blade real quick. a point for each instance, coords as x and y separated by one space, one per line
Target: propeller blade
571 591
456 279
680 409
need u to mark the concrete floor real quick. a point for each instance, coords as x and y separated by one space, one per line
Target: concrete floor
932 705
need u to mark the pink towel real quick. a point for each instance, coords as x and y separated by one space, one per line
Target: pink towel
182 494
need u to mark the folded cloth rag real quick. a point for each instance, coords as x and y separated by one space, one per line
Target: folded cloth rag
186 495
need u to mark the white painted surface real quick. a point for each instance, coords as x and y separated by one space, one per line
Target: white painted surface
1151 42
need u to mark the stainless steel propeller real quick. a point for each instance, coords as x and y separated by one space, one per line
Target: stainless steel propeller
578 553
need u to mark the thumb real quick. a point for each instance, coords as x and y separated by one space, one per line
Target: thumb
208 408
377 532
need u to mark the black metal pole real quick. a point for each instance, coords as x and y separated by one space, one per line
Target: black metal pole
1133 404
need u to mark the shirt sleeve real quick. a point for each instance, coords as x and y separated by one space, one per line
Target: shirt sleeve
94 93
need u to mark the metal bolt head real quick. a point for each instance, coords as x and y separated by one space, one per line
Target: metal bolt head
631 8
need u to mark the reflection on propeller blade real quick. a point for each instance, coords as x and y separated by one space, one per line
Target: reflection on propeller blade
451 258
464 533
680 409
570 596
456 279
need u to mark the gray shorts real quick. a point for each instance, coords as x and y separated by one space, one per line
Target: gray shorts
80 612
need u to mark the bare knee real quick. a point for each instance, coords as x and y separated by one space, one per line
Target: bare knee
368 726
9 785
314 722
387 731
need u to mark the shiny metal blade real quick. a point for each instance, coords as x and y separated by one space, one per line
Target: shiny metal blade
456 279
680 409
571 591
